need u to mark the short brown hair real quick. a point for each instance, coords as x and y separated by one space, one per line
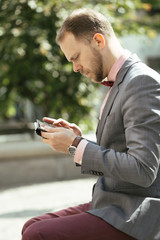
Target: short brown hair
84 23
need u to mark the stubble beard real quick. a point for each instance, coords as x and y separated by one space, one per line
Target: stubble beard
97 64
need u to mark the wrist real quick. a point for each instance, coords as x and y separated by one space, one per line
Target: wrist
76 141
72 148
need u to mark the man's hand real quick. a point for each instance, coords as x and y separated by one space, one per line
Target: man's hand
63 123
60 137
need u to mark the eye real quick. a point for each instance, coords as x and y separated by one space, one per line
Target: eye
76 58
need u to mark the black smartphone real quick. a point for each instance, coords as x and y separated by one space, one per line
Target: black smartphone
39 126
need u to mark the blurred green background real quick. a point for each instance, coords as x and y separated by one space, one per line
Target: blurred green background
35 78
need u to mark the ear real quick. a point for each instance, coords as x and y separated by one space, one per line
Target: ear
99 40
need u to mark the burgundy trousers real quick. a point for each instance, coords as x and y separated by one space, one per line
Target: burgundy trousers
71 223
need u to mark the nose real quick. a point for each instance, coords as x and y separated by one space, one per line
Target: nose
76 67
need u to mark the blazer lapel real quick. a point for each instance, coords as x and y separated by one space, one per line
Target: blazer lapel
114 91
106 111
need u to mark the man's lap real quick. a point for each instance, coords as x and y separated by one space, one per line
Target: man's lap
71 223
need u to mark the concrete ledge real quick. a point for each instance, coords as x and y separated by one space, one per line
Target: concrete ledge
24 149
24 171
28 161
22 145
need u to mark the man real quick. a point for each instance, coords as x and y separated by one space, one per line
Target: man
126 198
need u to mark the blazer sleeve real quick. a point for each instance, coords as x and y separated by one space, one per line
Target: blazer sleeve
139 164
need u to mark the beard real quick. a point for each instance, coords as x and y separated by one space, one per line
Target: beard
97 66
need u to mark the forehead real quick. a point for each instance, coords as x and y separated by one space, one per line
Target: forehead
70 45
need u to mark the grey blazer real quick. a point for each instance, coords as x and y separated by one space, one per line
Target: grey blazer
127 154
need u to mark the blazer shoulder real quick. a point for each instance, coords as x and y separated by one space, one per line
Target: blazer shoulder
134 68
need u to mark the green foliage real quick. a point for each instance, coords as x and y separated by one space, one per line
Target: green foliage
32 65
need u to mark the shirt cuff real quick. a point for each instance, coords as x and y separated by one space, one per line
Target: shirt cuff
80 151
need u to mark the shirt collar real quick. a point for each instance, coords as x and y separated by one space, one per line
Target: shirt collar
117 65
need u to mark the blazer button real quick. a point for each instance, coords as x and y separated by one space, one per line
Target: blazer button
100 173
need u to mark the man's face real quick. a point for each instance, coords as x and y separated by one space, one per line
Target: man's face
85 58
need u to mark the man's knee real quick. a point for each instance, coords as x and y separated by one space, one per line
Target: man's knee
27 224
31 233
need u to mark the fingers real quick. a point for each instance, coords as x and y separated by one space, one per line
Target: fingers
57 122
58 138
49 135
48 139
48 130
76 129
63 123
49 120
